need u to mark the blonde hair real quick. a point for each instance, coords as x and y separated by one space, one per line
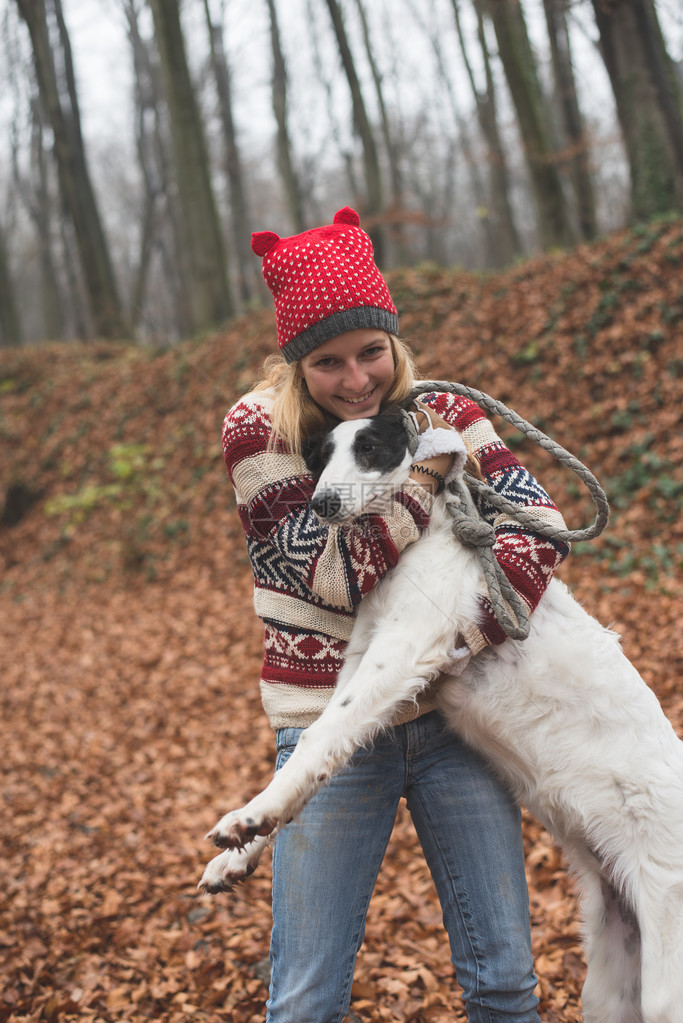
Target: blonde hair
295 416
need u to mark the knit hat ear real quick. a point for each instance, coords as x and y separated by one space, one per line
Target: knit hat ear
347 216
324 282
263 241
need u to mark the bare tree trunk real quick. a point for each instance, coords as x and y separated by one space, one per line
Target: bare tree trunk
462 136
209 291
392 149
233 161
76 309
373 175
554 224
145 110
577 142
11 334
506 242
41 212
285 161
146 251
61 105
36 197
160 227
648 100
324 77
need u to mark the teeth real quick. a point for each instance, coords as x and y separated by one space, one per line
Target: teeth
357 401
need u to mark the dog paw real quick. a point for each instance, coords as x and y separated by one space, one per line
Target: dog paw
239 827
229 868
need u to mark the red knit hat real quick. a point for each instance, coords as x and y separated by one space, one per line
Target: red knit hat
324 282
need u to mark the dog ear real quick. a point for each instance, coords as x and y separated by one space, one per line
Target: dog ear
395 415
315 454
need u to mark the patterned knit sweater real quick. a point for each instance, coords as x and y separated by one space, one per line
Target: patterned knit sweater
310 578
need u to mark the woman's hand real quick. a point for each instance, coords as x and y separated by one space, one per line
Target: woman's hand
440 465
427 419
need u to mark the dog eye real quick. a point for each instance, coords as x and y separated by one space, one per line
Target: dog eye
367 448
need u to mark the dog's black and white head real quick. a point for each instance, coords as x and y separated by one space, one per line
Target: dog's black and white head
359 465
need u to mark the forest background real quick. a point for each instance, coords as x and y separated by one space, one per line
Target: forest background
129 710
135 164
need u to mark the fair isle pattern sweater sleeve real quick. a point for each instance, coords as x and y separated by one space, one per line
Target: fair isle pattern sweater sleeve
308 578
528 560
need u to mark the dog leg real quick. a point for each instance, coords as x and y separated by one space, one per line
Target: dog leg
661 920
611 992
231 866
357 711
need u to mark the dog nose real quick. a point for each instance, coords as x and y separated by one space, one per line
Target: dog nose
327 504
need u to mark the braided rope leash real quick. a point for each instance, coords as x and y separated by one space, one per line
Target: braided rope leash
470 529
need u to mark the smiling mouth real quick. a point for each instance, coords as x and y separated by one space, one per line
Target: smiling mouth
357 401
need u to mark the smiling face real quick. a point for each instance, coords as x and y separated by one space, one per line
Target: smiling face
350 374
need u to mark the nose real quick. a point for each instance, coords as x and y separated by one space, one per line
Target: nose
356 377
327 504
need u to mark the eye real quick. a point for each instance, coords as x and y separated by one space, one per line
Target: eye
367 447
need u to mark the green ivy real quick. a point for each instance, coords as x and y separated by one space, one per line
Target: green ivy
137 489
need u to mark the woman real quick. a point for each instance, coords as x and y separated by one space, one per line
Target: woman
340 360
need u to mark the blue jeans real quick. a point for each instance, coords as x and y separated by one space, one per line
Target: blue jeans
325 865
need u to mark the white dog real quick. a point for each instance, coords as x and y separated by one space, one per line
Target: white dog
562 716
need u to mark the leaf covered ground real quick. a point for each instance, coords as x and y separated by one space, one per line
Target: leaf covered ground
130 709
